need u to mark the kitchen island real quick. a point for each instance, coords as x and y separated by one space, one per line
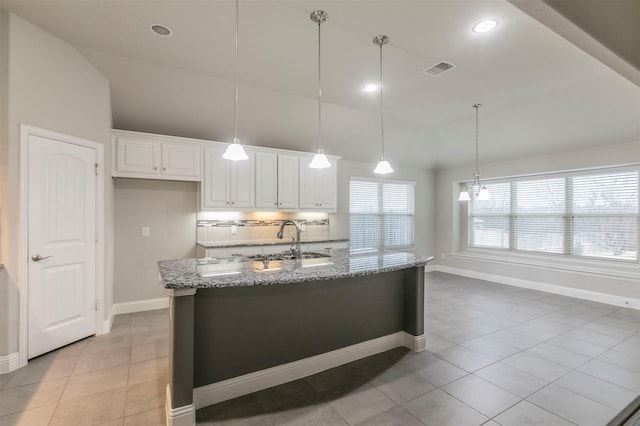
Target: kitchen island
240 325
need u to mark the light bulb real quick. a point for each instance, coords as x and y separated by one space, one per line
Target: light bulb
485 26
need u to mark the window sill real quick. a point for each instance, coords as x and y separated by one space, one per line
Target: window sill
585 267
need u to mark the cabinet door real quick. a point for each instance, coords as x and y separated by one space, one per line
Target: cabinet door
215 185
287 182
308 185
243 181
137 158
327 187
181 161
266 180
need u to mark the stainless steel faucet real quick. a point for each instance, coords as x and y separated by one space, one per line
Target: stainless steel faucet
295 241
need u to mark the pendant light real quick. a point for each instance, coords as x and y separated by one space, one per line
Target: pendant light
477 189
319 160
234 150
383 166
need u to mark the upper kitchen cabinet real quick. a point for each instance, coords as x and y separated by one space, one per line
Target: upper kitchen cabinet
318 187
276 181
228 184
147 156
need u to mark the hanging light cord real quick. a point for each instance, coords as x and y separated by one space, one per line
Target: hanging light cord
381 110
319 90
235 104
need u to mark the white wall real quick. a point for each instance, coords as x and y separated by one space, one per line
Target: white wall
620 282
45 83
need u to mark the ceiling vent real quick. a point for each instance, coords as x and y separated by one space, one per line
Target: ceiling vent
439 68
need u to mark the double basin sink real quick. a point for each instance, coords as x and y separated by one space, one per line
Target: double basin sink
213 267
285 256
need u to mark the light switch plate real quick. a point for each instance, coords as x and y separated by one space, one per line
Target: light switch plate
145 231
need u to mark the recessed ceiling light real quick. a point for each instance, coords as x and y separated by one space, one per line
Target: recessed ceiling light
485 26
161 30
371 88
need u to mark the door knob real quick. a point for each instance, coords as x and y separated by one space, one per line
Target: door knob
37 258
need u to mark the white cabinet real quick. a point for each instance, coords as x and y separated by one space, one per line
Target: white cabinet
154 158
318 187
227 184
276 181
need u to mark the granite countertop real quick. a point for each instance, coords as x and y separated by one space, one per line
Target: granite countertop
271 242
239 272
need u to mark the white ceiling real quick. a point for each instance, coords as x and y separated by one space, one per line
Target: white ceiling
540 93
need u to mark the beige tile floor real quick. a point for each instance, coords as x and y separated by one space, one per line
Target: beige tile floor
115 379
497 355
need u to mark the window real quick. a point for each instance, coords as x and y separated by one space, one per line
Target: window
381 214
588 214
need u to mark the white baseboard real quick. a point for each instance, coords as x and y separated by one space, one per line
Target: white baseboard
9 363
180 416
253 382
593 296
106 324
415 343
139 306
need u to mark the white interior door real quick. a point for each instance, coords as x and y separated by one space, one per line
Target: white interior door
61 243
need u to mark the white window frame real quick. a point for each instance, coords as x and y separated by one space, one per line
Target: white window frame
381 215
568 216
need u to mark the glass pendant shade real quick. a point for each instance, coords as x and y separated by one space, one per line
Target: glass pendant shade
319 161
383 167
235 152
483 194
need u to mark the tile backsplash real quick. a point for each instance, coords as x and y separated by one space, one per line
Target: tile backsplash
258 226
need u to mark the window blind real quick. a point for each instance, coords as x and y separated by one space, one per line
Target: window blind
605 215
381 214
573 214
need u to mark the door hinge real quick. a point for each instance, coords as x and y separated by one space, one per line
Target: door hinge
96 169
97 306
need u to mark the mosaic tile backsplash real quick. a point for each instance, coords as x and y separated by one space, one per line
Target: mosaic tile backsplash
259 226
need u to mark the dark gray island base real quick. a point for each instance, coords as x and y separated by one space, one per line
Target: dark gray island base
237 327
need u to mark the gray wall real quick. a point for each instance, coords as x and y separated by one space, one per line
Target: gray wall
169 210
45 82
450 225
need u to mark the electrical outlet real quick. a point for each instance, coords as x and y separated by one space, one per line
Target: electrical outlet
234 229
303 227
145 231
